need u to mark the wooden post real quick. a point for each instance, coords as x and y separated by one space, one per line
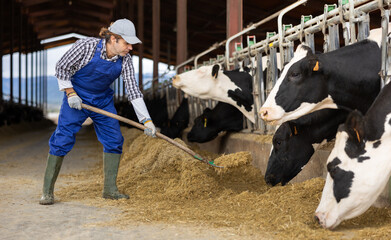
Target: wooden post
181 35
1 51
12 53
20 25
140 35
155 43
234 21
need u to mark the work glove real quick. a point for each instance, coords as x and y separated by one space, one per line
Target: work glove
151 129
74 101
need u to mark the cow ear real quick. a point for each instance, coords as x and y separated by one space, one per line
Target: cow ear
206 110
355 126
215 70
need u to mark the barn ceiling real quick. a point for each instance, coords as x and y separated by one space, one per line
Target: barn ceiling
24 23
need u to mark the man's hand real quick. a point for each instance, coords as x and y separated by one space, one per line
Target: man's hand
151 129
74 101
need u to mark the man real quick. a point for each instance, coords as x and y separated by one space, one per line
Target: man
85 74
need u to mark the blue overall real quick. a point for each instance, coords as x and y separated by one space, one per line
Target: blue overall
92 84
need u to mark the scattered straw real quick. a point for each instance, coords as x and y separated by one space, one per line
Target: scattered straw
167 185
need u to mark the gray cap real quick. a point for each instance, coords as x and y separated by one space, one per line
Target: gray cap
125 28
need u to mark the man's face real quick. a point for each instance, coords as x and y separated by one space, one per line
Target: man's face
121 47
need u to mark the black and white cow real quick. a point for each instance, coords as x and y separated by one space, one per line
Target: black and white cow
210 82
294 142
223 117
178 122
347 77
359 166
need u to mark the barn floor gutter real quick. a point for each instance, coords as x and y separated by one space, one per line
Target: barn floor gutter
259 146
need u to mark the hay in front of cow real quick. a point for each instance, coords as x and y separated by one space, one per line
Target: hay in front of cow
167 185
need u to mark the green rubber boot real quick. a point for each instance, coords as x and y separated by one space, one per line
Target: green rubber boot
110 170
52 169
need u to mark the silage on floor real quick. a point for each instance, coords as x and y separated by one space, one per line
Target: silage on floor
166 184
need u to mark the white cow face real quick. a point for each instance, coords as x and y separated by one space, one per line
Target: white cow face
199 82
357 174
300 89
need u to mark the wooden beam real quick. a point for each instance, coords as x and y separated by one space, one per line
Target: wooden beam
28 3
43 26
60 42
104 16
55 32
43 12
101 3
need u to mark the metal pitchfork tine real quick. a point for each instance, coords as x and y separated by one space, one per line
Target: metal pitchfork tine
142 127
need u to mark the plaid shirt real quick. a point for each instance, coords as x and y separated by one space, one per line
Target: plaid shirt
81 53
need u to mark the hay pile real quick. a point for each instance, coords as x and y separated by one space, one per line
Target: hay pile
167 185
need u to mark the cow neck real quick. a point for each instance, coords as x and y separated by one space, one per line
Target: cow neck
353 87
377 122
223 86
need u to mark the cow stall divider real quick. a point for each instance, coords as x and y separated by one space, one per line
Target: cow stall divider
267 57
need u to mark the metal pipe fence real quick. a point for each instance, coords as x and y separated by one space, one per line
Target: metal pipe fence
267 57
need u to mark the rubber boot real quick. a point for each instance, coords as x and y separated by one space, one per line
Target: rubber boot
52 169
110 170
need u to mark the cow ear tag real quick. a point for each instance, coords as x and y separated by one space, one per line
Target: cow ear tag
357 135
316 67
295 132
205 120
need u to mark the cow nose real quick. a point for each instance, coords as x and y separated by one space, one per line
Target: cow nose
263 113
316 219
175 81
270 179
320 218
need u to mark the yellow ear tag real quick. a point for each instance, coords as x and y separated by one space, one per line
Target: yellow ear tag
358 136
316 68
294 127
205 120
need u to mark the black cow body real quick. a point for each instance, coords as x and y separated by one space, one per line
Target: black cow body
347 77
224 117
293 143
157 109
178 122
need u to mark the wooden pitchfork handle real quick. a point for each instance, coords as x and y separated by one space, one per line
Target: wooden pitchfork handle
142 127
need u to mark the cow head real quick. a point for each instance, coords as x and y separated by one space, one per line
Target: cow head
199 82
204 128
210 82
290 152
358 171
301 89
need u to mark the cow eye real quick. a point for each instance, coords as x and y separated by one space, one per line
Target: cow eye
294 76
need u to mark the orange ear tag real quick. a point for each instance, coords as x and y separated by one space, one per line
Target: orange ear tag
316 68
295 130
358 136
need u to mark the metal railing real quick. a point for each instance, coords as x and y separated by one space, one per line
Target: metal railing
348 14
